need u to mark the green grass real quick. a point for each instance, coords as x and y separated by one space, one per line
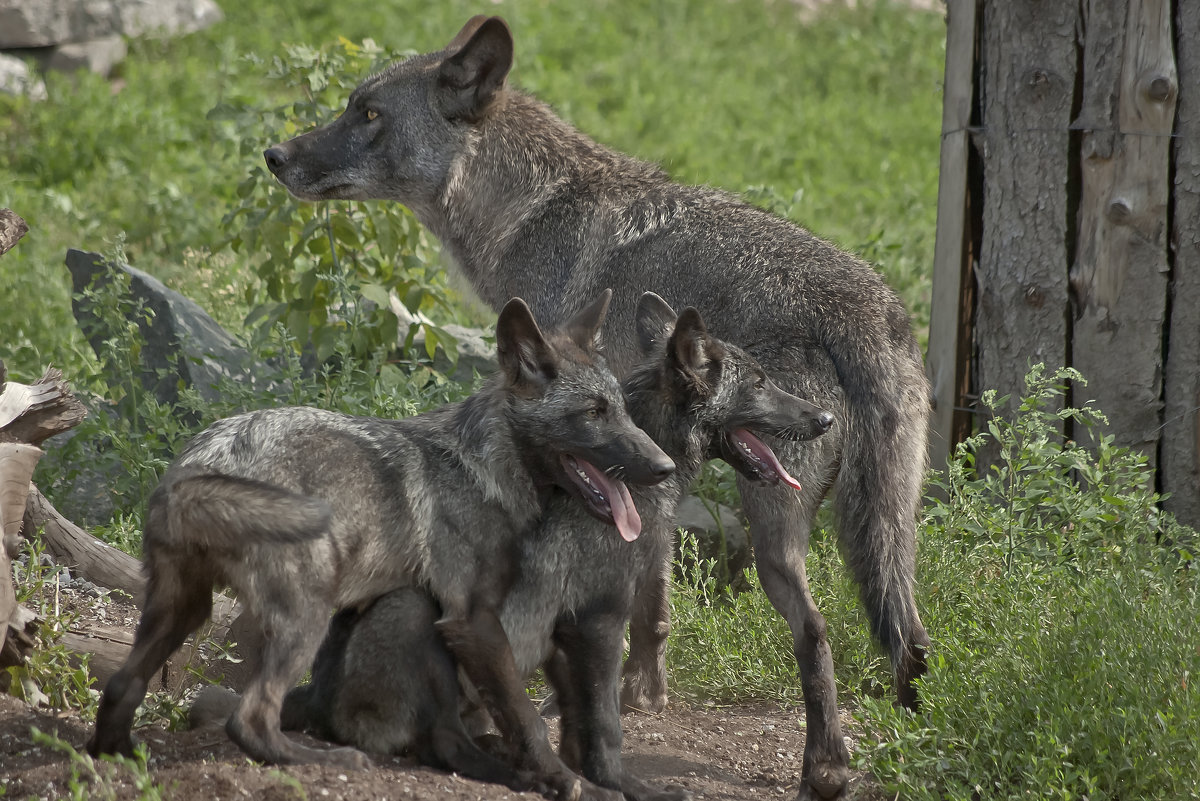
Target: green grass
840 114
1065 620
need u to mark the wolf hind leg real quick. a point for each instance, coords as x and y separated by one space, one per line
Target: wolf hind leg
780 521
256 724
177 603
644 687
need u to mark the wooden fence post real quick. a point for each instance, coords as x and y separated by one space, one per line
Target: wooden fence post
1120 277
1180 451
949 350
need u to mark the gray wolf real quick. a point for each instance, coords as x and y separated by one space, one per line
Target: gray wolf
302 510
383 682
527 205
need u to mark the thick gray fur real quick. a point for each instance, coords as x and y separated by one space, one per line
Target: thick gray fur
527 205
380 682
303 510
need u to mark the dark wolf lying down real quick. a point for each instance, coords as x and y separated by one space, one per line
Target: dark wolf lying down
302 510
384 681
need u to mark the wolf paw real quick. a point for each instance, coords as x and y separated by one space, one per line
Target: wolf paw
824 782
347 758
641 693
108 743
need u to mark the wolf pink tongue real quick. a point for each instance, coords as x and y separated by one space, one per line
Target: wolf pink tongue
764 453
620 502
625 514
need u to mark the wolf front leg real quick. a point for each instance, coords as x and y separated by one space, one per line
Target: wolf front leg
780 528
481 647
585 671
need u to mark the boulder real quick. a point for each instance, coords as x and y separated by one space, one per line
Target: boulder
184 346
97 55
720 536
17 79
41 23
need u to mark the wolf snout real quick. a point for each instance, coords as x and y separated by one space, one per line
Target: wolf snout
276 157
823 422
662 467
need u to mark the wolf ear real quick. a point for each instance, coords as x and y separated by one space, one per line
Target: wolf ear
584 327
524 355
690 348
477 62
655 322
464 35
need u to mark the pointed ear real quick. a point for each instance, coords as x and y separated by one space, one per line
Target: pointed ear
584 327
689 344
473 73
464 35
655 322
524 355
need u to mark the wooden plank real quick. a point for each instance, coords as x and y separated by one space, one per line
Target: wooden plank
1120 277
945 362
1029 60
1180 449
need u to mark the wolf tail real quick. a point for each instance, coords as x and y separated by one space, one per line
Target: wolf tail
209 510
878 493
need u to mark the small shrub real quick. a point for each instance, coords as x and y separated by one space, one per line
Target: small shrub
329 268
1064 629
52 676
104 779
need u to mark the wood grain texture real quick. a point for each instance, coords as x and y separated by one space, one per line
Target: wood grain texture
1121 275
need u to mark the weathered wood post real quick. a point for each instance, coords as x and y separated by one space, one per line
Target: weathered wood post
1179 464
1088 154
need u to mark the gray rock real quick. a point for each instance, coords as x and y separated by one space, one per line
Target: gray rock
17 79
98 55
476 352
476 346
39 23
183 344
719 537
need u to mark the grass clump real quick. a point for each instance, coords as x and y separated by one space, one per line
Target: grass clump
1065 617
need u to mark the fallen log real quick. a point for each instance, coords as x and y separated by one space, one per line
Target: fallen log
12 228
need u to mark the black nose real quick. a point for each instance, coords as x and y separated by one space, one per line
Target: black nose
661 468
824 421
276 158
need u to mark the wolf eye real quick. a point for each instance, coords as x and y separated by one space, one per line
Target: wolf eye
760 382
594 413
371 114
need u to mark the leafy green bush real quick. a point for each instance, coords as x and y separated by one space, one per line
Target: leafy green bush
1065 618
130 437
327 268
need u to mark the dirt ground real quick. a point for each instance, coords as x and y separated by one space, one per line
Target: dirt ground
717 752
740 752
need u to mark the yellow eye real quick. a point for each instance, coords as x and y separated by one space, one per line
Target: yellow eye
371 114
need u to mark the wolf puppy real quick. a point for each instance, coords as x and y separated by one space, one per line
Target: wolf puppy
301 510
573 591
529 206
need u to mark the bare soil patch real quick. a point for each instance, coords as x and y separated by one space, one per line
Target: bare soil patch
738 752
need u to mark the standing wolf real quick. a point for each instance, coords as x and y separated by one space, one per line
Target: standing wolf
575 582
301 510
529 206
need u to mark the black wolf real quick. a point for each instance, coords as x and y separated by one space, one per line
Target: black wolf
302 510
527 205
384 683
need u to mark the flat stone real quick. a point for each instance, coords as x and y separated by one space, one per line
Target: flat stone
40 23
183 344
98 55
17 79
